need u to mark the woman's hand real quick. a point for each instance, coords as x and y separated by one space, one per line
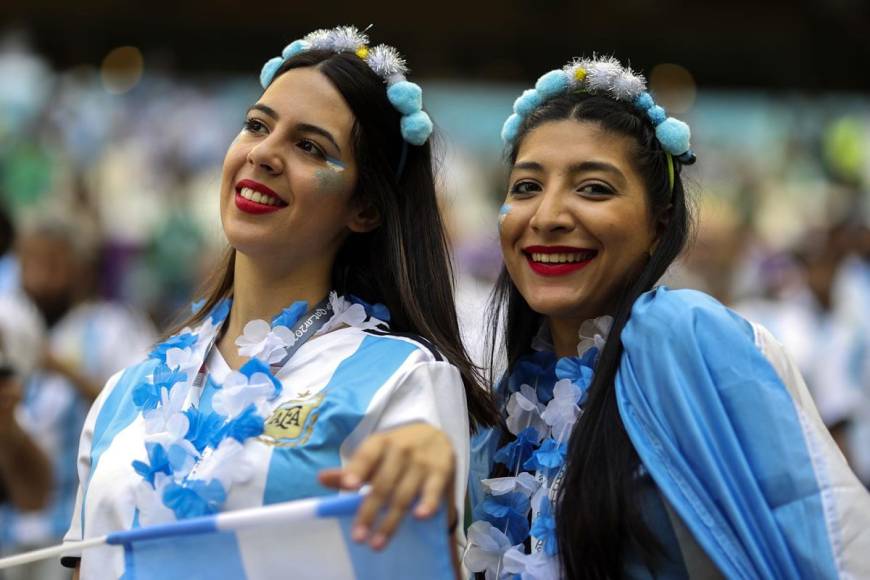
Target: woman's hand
401 464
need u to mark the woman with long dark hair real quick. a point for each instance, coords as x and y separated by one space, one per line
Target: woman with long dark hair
647 432
330 332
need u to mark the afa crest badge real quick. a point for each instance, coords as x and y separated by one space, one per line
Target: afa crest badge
290 425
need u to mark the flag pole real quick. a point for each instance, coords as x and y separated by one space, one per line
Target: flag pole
50 552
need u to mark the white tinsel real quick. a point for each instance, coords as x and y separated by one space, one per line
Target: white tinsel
627 86
571 68
602 73
346 39
386 61
319 39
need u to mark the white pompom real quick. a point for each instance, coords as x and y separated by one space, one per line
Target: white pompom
572 67
346 39
386 62
627 86
602 72
319 39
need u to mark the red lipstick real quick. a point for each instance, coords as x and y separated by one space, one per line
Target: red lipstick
580 258
264 199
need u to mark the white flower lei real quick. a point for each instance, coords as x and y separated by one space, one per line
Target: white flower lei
193 458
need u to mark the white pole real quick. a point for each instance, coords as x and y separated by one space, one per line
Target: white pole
45 553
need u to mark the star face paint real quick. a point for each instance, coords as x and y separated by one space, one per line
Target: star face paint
503 213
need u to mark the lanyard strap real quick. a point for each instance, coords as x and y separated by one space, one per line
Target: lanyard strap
306 328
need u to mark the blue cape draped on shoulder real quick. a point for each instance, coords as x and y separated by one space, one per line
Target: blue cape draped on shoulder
722 436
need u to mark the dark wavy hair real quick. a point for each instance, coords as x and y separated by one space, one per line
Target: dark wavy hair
598 514
404 263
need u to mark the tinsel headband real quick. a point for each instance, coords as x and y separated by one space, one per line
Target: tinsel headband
385 61
605 76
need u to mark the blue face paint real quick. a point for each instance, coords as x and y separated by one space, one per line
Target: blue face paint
335 164
330 180
503 213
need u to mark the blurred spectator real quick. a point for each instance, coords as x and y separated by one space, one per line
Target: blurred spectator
25 474
821 317
88 341
851 296
8 262
25 471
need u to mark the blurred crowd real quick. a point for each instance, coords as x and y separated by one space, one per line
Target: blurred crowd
110 224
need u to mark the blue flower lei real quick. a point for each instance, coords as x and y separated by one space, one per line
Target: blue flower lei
181 444
545 396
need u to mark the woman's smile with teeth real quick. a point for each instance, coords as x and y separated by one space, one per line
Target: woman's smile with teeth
258 197
561 258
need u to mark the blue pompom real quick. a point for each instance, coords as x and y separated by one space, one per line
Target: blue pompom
416 127
674 135
293 49
406 96
511 128
656 114
552 83
269 70
644 101
527 102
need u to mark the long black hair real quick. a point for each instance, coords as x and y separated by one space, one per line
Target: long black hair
403 263
598 515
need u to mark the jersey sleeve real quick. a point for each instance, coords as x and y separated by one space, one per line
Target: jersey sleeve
83 466
429 392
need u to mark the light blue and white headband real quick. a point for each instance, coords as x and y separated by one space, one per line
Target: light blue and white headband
385 61
604 76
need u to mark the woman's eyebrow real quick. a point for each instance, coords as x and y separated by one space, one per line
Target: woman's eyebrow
264 109
575 168
309 128
302 127
529 166
595 166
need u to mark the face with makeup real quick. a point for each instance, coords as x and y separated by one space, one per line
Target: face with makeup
289 176
578 225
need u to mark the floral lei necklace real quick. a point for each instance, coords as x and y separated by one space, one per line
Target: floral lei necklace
546 398
194 457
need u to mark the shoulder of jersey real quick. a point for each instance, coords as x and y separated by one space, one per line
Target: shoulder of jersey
421 343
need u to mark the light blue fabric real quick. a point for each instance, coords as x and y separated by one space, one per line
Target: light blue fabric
293 470
717 429
195 549
668 563
215 555
117 412
418 551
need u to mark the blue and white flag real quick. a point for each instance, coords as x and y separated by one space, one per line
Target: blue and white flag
724 423
301 539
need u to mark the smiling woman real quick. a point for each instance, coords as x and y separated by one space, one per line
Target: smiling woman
327 339
648 433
